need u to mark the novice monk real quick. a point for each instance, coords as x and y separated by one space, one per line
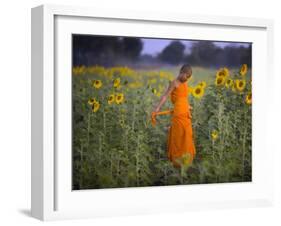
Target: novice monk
181 149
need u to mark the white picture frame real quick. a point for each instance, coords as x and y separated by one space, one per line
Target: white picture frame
51 196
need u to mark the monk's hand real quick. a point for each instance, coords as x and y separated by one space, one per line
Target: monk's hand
156 110
190 107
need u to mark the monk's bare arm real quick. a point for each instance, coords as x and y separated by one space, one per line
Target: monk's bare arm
164 97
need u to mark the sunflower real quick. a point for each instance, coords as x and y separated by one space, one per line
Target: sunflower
96 106
229 83
97 83
214 134
198 91
110 99
91 101
220 73
234 88
190 90
119 98
122 122
240 84
154 90
243 69
203 84
223 72
248 98
116 82
226 71
186 159
220 80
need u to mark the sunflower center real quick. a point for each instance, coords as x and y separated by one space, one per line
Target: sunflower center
240 84
198 91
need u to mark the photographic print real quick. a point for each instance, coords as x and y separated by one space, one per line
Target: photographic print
158 112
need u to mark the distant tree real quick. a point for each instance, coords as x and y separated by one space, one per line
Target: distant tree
207 54
132 48
90 49
173 53
203 53
104 50
246 56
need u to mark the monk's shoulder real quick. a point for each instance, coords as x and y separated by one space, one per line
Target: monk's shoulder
173 83
171 87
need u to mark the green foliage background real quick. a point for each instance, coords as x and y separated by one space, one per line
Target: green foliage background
118 147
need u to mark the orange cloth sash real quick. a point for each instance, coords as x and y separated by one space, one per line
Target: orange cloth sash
154 114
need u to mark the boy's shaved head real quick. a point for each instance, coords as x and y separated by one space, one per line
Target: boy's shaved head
186 68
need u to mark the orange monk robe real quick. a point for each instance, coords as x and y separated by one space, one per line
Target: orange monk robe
180 137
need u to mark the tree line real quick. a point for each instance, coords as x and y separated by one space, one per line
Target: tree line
111 51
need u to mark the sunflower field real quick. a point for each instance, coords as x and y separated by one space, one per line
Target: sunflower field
115 145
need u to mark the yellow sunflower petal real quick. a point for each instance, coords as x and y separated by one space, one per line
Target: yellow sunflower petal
220 80
243 70
248 98
119 98
96 107
116 82
203 84
111 99
97 84
229 83
214 134
240 84
198 91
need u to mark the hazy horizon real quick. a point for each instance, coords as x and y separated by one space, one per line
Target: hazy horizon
153 46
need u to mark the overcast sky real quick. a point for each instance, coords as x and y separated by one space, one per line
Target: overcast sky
153 46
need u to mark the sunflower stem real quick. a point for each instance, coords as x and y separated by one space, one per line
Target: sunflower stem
137 161
104 121
165 174
243 147
88 129
220 112
213 150
81 168
182 173
99 150
133 122
118 166
111 166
